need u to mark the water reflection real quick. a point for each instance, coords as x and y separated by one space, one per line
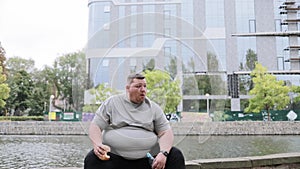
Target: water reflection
24 152
236 146
44 152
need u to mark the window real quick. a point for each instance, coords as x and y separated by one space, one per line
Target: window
105 63
278 25
167 51
167 32
106 26
167 14
106 9
280 63
252 26
214 13
132 65
132 62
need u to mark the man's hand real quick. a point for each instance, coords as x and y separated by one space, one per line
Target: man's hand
101 151
159 161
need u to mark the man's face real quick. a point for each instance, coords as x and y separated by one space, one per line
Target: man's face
137 90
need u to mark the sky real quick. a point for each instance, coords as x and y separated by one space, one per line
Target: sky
43 30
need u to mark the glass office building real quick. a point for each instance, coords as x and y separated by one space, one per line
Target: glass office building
203 37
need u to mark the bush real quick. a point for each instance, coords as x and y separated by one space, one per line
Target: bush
21 118
220 116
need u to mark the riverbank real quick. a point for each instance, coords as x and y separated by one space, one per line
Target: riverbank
181 128
190 125
274 161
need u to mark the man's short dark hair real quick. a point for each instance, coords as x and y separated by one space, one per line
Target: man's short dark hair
134 76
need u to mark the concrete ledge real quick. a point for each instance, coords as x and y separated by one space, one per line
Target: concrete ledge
238 128
282 161
224 163
274 161
43 128
182 128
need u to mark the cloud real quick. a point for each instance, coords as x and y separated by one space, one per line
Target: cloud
43 30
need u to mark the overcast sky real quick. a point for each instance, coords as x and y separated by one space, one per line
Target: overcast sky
43 29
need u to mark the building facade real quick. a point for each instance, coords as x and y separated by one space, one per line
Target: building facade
203 38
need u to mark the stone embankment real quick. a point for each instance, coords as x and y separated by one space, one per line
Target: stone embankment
275 161
238 128
182 128
43 128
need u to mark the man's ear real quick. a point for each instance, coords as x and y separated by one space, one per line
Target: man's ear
127 87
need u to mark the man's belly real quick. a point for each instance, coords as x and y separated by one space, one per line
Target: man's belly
130 142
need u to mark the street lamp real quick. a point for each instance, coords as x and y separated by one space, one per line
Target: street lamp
50 102
50 106
207 102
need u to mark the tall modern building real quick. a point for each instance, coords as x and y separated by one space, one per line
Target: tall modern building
194 38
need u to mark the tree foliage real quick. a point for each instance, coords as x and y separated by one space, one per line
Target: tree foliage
31 88
199 84
268 93
251 59
245 80
42 91
2 59
15 64
26 96
99 95
172 67
163 90
21 88
68 80
296 89
216 83
149 65
4 89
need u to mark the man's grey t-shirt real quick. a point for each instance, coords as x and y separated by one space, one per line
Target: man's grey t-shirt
130 129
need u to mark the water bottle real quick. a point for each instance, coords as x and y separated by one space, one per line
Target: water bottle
150 158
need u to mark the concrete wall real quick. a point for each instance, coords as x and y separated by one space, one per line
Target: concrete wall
238 128
274 161
43 128
187 128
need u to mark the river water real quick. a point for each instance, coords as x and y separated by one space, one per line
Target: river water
44 152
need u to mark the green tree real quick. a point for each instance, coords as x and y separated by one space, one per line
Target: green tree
2 59
149 65
245 80
251 59
20 73
163 90
20 83
42 91
268 93
4 89
68 79
199 84
216 84
172 67
15 64
21 87
99 95
296 89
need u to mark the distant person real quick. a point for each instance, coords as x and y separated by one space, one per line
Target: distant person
128 126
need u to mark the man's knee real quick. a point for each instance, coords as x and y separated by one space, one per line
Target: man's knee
175 159
176 152
90 160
